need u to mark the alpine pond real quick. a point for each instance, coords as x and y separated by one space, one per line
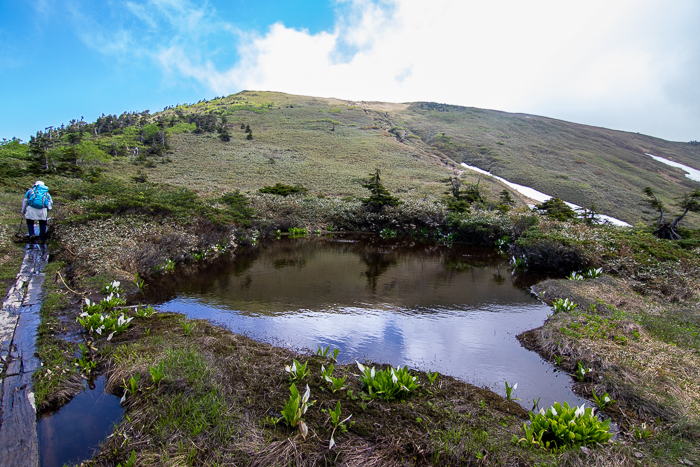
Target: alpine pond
452 309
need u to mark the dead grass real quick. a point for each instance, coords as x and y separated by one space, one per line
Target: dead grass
651 375
122 246
248 376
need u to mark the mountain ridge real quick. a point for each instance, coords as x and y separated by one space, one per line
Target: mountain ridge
329 144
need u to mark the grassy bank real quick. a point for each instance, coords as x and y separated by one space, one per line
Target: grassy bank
221 396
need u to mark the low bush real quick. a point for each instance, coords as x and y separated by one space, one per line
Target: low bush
238 207
281 189
106 197
551 252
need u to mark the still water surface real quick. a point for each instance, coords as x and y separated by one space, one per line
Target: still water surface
454 310
74 433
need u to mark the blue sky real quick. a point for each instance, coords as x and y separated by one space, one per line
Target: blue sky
629 64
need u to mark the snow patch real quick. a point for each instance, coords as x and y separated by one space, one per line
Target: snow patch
691 173
538 195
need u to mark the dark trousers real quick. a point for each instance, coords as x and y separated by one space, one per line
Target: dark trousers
42 229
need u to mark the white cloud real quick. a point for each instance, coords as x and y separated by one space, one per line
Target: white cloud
628 64
187 19
42 7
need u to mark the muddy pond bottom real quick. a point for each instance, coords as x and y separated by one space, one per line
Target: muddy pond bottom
74 433
455 310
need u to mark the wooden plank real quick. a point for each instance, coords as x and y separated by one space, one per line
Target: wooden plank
25 337
19 443
33 295
8 324
19 321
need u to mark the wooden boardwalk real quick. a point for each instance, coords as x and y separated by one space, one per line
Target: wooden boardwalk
19 321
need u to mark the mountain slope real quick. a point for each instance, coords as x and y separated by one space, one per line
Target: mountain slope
582 164
327 144
252 139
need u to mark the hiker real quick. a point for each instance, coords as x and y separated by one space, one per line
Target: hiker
35 206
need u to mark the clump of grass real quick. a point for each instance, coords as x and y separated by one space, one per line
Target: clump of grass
187 326
297 232
509 392
337 423
297 371
336 384
603 401
327 353
563 305
295 408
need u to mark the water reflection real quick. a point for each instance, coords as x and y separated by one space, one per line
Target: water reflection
74 433
455 310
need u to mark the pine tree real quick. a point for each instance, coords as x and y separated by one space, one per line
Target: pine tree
224 134
380 196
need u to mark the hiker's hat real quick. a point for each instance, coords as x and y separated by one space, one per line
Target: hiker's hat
38 182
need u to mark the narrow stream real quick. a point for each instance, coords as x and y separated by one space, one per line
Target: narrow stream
455 310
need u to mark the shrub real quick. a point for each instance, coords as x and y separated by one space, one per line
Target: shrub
106 197
551 252
281 189
557 209
238 207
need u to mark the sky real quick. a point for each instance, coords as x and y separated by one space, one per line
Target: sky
629 65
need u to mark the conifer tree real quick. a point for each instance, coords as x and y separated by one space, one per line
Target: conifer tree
380 196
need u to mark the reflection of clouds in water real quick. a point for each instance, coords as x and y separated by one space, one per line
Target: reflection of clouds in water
471 345
350 328
478 346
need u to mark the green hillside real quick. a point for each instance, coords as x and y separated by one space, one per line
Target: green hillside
329 145
582 164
